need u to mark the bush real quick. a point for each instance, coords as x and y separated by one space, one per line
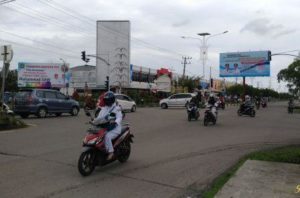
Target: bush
10 122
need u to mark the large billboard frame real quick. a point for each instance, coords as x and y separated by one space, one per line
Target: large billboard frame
245 64
43 75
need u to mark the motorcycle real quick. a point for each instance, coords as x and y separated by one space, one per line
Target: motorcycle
209 116
291 108
193 111
94 151
246 110
257 104
263 104
221 104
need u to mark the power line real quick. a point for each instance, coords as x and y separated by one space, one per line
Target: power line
64 9
40 42
37 48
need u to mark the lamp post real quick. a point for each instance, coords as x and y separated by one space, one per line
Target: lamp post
203 49
64 66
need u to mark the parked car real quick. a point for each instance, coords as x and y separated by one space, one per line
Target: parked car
6 108
126 103
41 102
176 100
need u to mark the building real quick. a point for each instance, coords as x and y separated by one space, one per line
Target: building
141 78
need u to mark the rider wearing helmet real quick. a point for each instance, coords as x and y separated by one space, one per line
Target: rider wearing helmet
212 104
110 108
211 100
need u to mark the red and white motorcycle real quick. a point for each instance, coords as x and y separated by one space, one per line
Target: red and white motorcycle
94 151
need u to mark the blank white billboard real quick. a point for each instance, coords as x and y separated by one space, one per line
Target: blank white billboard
113 45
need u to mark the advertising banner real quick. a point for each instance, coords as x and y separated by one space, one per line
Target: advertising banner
243 64
43 75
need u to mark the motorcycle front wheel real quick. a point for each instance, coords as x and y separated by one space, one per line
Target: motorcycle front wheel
189 117
239 112
86 163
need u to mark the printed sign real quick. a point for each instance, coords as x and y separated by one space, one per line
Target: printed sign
242 64
43 75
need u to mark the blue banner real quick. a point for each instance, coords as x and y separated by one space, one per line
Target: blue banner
243 64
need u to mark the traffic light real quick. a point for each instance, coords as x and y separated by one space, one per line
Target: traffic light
83 57
269 55
211 82
107 83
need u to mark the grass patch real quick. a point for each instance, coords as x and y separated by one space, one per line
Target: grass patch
288 154
10 122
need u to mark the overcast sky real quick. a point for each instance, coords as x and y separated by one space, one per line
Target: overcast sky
47 30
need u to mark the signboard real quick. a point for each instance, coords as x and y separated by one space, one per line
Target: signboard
163 83
42 75
113 45
243 64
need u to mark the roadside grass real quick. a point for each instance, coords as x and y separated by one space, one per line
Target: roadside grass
287 154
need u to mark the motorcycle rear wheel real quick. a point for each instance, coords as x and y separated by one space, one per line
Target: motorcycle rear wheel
86 163
124 151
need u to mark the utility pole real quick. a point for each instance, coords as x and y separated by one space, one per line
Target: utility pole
184 58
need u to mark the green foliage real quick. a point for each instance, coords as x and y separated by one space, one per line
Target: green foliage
11 82
10 122
190 82
143 97
252 91
289 154
291 75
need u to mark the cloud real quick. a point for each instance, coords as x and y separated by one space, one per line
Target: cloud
263 26
181 23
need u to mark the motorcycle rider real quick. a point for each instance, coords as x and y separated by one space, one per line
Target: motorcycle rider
247 103
212 104
110 107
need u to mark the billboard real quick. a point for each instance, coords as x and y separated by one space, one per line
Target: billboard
113 45
242 64
43 75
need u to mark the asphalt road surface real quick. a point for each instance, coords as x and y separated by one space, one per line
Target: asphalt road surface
170 157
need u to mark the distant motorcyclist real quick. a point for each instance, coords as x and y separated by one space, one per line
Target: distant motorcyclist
291 105
247 103
196 99
212 104
109 108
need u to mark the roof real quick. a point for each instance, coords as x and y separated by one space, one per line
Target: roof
83 68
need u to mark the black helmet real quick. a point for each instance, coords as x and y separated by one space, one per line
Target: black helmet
109 98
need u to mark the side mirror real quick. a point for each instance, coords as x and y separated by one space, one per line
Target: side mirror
67 98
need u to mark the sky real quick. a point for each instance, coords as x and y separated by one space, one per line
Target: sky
51 30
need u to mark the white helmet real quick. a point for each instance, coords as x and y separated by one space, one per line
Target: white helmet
247 97
211 95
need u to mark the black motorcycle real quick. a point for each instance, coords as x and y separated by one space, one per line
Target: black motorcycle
291 108
246 110
193 111
209 116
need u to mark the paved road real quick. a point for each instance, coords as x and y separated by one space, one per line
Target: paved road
171 157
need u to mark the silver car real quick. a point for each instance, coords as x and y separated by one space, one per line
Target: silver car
176 100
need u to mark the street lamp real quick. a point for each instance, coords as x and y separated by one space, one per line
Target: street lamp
203 49
64 70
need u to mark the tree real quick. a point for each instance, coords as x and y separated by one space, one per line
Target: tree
11 82
291 75
190 82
